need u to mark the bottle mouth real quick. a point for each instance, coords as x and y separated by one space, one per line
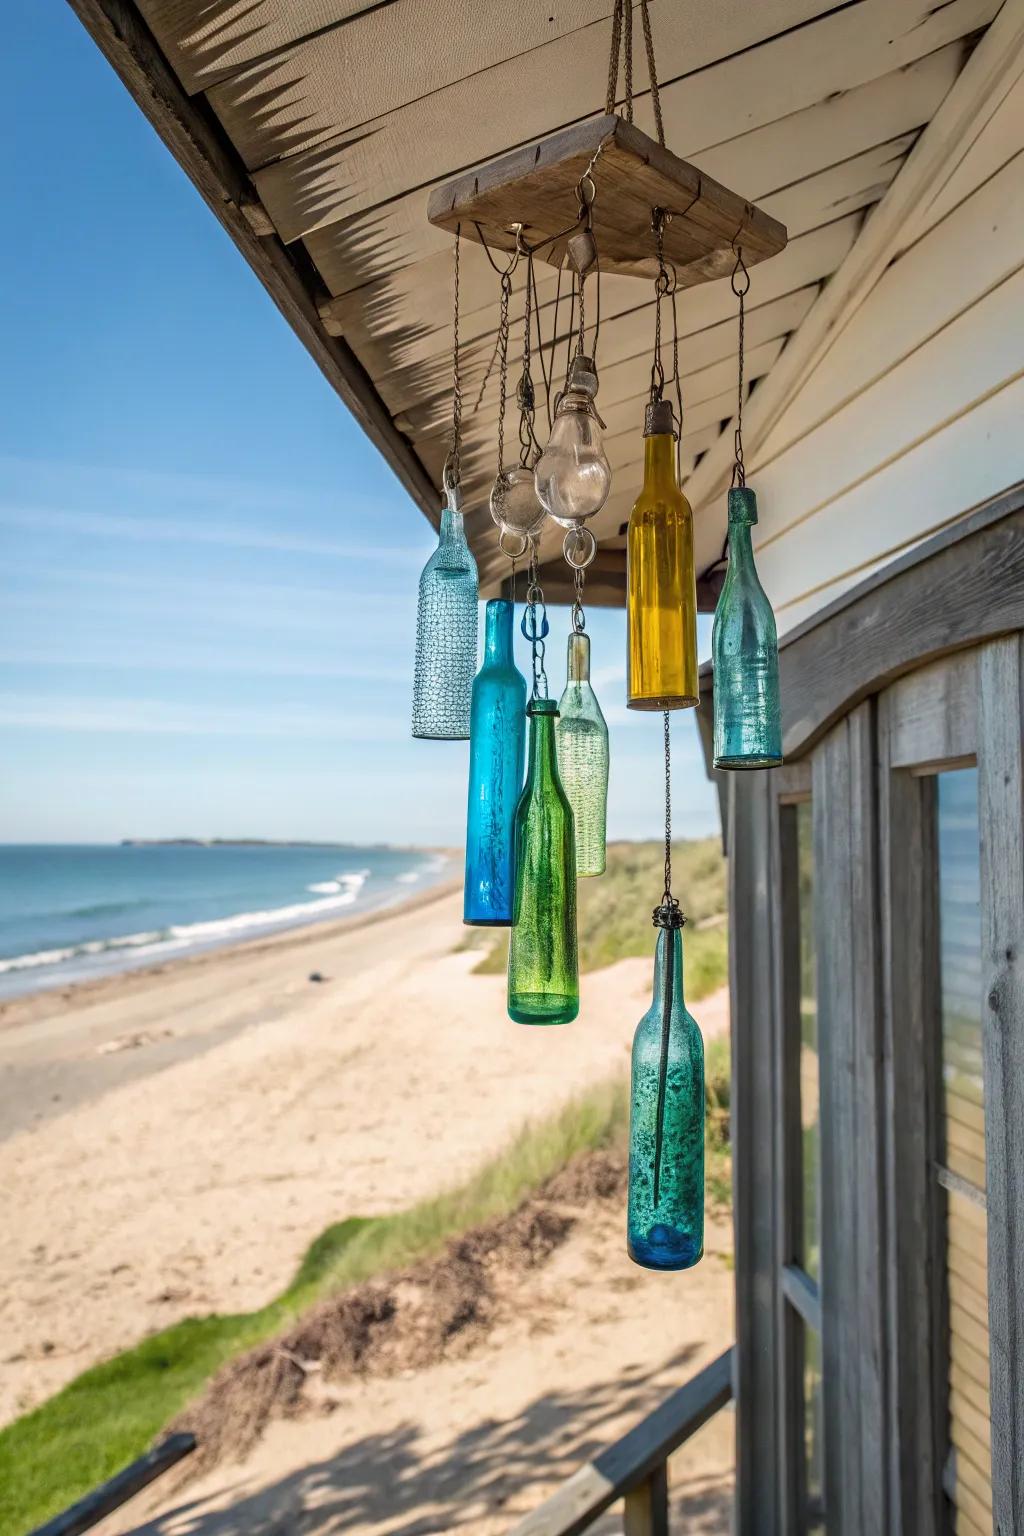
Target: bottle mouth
542 707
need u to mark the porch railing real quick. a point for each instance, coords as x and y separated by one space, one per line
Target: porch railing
634 1468
118 1490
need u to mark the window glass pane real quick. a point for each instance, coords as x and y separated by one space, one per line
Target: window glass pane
814 1430
962 1132
809 1098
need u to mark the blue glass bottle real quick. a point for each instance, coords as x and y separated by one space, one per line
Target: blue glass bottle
665 1222
497 745
745 653
446 627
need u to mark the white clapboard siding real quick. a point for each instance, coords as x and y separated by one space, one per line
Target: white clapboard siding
938 382
963 464
426 139
346 78
843 188
974 248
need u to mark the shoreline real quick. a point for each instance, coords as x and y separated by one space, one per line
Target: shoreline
63 996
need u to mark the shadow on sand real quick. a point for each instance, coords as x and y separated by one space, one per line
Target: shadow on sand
387 1480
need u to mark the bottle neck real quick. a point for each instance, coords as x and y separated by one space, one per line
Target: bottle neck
542 764
451 530
741 549
660 462
578 663
498 633
670 942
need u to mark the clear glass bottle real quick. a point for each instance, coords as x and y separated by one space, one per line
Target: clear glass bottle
745 652
665 1220
497 746
662 586
543 965
581 737
446 631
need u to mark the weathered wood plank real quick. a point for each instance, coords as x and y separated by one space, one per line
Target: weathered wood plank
635 1458
1001 818
935 713
118 1490
755 1100
645 1511
939 599
535 186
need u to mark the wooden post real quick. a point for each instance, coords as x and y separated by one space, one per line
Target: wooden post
646 1507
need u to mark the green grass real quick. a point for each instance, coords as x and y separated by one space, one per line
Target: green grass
109 1415
614 913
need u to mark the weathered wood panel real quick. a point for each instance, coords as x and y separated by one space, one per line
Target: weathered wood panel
1001 816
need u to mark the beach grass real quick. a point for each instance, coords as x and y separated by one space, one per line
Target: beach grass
111 1413
614 913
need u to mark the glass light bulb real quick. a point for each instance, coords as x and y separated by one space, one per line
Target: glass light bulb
573 475
514 503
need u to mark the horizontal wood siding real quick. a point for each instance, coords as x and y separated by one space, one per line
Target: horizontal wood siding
912 415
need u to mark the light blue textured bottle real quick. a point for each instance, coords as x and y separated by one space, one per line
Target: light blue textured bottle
745 652
446 629
497 747
665 1216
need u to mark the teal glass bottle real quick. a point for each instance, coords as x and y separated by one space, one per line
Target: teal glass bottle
581 737
745 653
497 746
446 629
665 1220
543 965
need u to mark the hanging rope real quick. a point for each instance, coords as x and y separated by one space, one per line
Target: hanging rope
622 44
452 472
740 283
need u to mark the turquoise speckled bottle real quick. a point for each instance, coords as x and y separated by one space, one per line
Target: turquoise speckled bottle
497 745
665 1221
745 653
446 626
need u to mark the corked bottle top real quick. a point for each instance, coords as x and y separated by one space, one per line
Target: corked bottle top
742 506
658 420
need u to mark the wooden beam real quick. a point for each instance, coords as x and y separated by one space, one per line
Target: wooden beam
118 1490
635 1459
997 56
203 151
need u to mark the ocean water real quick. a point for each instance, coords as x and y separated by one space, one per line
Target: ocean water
75 911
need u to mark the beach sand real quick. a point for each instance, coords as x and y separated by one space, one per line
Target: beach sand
215 1116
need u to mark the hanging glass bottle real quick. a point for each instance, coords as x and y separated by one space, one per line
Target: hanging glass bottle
745 652
497 744
446 632
543 967
662 598
582 741
665 1220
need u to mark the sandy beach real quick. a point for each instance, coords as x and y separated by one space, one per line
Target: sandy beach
178 1138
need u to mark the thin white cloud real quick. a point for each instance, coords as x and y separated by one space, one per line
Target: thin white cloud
161 717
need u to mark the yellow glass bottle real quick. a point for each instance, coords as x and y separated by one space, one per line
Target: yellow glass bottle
662 585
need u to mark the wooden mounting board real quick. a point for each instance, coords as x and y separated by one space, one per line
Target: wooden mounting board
536 187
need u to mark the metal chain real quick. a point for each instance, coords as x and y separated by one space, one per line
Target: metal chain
668 899
534 630
740 284
453 465
661 288
579 618
506 294
622 43
526 396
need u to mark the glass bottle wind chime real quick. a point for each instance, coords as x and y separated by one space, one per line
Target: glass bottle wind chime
498 718
446 611
744 639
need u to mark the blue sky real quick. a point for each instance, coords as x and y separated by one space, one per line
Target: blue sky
207 575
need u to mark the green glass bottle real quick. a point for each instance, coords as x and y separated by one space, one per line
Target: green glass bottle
582 739
543 965
665 1223
745 652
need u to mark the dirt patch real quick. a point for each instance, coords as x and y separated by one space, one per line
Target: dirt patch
433 1310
